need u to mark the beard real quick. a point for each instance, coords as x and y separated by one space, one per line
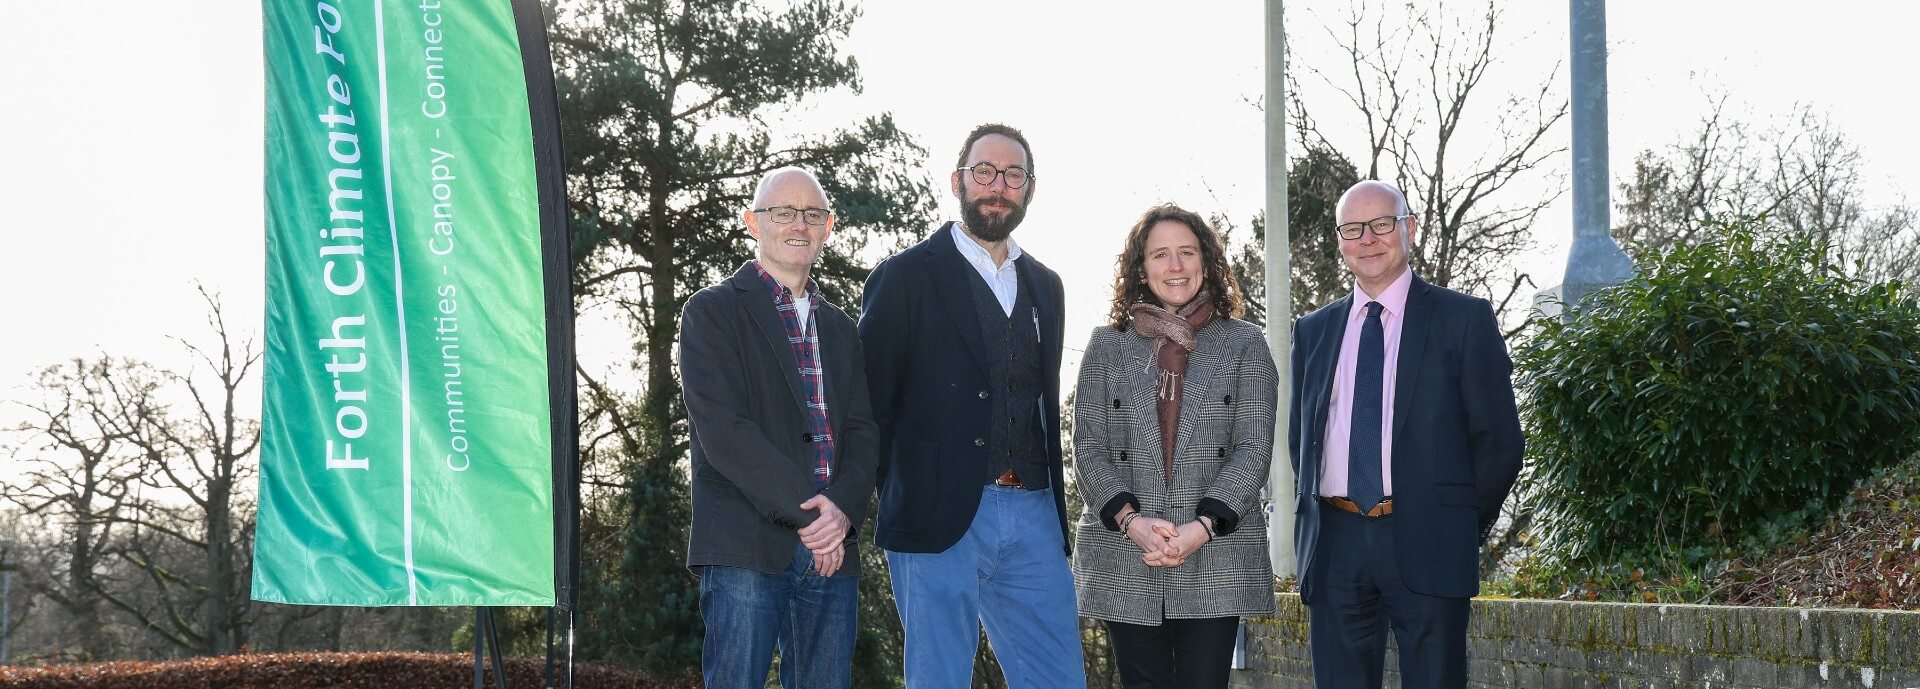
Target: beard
988 229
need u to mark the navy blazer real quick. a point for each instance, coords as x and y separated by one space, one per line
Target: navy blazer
927 369
753 452
1456 435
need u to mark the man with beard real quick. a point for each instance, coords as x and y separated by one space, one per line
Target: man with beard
783 453
962 334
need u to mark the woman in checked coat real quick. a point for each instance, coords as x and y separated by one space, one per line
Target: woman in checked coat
1173 432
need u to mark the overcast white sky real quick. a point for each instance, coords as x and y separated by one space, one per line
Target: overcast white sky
133 165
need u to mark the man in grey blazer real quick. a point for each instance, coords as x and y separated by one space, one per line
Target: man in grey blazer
784 448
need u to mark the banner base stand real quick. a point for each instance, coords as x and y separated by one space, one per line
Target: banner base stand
486 634
553 615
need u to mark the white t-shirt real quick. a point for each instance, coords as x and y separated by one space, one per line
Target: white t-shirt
802 309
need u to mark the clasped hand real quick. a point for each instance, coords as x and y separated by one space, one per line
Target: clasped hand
826 536
1164 545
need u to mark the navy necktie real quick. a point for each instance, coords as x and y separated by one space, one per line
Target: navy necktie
1364 485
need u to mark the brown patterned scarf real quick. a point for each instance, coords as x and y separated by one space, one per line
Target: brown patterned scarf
1172 333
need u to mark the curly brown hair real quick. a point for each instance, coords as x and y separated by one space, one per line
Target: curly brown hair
1130 268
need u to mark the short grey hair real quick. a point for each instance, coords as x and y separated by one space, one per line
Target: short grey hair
1399 198
766 184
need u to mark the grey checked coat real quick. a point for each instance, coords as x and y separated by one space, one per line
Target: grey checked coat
1224 446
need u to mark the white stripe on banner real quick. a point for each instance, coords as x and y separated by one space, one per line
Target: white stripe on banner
399 308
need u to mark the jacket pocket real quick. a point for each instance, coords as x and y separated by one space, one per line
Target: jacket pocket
705 472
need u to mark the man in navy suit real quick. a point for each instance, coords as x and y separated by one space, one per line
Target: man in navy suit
962 334
1406 441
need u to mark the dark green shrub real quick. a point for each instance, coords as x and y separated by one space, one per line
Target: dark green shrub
640 604
1730 384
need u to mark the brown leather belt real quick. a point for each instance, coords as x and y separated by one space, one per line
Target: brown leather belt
1383 509
1008 480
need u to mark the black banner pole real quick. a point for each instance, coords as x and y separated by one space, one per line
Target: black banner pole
547 669
499 655
543 108
479 660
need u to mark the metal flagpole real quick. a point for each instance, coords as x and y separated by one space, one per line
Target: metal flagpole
1279 288
1595 260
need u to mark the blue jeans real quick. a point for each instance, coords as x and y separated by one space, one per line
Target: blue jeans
1009 572
808 616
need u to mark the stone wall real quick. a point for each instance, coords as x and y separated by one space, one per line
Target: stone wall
1555 644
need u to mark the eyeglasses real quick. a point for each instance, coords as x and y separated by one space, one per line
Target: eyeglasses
786 214
1384 224
983 174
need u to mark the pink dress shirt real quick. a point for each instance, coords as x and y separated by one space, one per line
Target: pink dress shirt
1333 467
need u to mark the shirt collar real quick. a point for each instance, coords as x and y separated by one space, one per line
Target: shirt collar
780 292
1393 299
977 254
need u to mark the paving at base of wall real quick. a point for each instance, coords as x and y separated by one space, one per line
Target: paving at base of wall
1540 644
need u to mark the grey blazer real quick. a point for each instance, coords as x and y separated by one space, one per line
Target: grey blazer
1222 452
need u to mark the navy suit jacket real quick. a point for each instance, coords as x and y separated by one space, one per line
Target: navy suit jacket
1456 436
927 369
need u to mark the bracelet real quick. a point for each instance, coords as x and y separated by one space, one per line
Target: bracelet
1128 520
1206 523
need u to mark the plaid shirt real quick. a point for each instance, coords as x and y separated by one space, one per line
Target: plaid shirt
806 350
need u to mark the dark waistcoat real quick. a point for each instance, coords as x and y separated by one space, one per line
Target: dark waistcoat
1013 353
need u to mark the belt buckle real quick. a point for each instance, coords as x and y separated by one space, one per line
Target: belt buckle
1008 480
1384 508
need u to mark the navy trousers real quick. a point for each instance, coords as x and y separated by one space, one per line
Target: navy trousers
1359 595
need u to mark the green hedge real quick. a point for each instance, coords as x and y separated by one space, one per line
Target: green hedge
1728 385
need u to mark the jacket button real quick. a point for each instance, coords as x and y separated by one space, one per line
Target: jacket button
979 442
984 395
806 437
1223 452
1228 399
1123 455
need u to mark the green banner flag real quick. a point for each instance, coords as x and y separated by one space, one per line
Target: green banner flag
407 436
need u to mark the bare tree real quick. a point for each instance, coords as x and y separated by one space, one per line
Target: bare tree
78 470
1802 175
191 536
1709 173
1824 167
143 470
1886 246
17 536
1415 81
